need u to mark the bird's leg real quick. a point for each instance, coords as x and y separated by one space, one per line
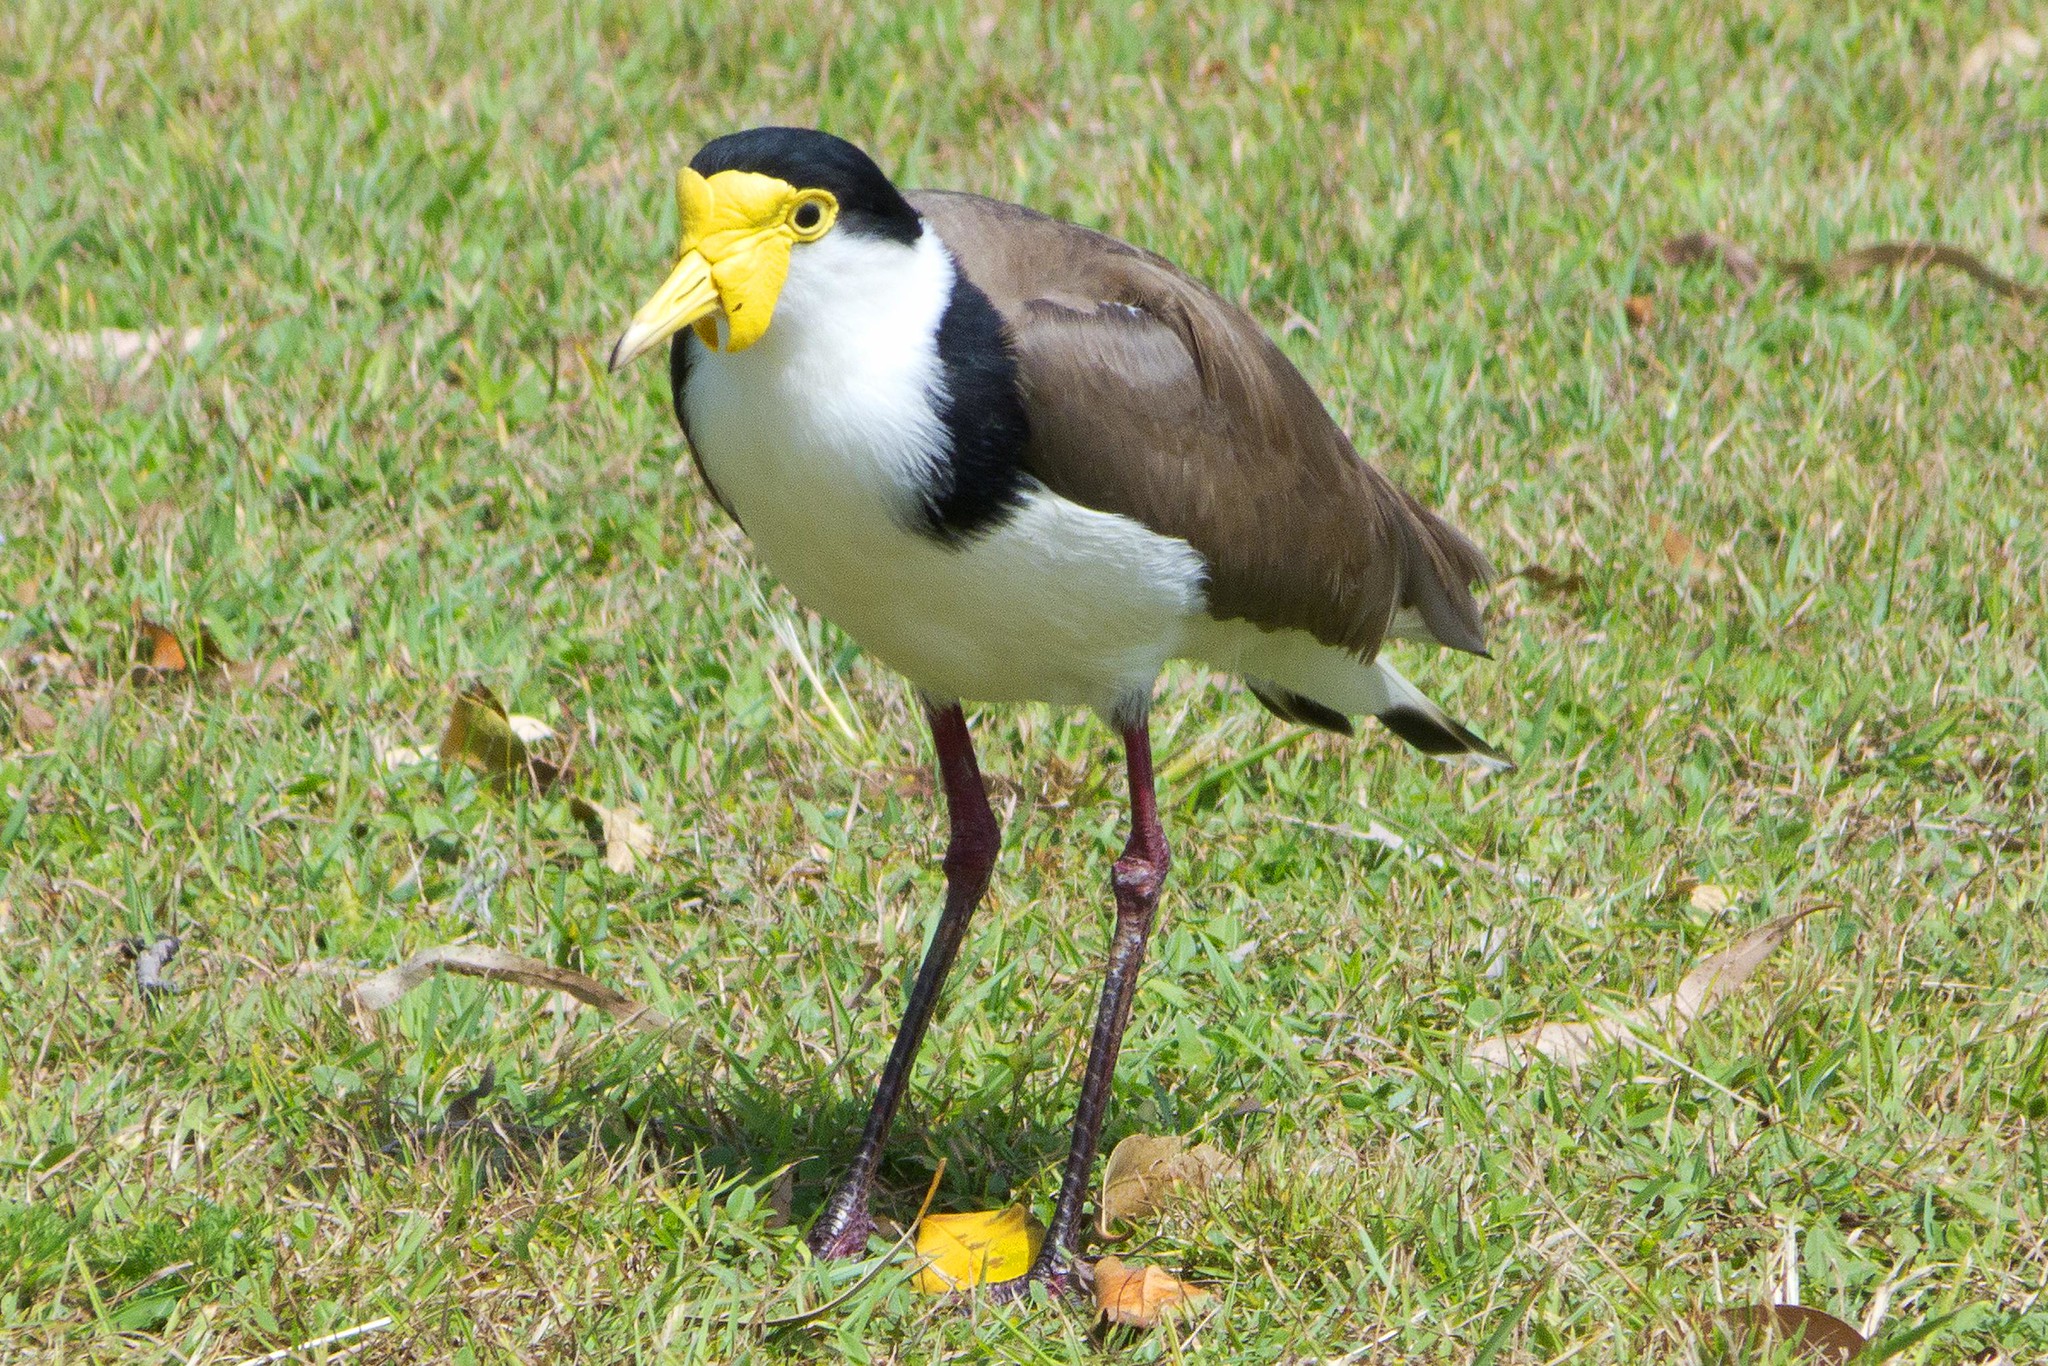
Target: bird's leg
1137 878
843 1229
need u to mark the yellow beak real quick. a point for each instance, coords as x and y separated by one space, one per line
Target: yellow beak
738 228
687 296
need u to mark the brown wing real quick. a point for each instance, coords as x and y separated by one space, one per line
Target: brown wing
1151 396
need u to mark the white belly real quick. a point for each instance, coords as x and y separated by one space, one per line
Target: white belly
823 435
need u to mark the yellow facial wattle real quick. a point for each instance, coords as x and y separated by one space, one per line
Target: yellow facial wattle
738 228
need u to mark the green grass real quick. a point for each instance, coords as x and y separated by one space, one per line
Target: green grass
403 469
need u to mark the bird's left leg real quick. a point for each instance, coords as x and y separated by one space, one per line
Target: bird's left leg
842 1230
1136 879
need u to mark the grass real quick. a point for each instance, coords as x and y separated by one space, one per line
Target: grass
1805 663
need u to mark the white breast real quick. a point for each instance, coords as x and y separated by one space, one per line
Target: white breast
824 435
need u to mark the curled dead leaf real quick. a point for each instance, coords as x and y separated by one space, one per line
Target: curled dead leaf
625 837
964 1250
1817 1338
1140 1296
1639 311
480 735
157 654
1145 1170
387 988
159 657
1575 1043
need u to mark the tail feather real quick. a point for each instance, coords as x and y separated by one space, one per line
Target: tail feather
1381 692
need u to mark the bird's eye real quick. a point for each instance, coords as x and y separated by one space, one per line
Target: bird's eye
807 216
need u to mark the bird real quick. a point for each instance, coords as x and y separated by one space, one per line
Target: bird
1018 460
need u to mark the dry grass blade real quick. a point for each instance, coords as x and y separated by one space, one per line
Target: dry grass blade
496 965
2009 49
1816 1337
1145 1169
1140 1296
1576 1043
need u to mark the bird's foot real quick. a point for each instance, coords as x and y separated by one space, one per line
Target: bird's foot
1062 1279
841 1232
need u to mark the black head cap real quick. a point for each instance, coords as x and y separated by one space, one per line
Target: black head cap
811 160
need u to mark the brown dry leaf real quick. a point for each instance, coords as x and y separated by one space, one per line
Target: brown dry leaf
1140 1296
1146 1169
160 658
1639 311
1549 582
963 1250
32 722
2009 49
625 837
1822 1339
1680 552
496 965
157 654
781 1196
1575 1043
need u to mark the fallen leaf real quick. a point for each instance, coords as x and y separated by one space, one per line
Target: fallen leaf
1710 898
160 658
1145 1169
1637 309
1140 1296
118 344
530 729
403 756
1680 552
625 837
1820 1338
32 721
387 988
1549 582
1573 1044
157 654
781 1196
963 1250
480 735
2012 49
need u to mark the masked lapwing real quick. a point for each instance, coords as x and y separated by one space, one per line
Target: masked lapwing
1018 460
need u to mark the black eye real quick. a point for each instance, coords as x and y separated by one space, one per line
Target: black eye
808 215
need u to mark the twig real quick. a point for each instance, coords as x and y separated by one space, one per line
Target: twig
285 1353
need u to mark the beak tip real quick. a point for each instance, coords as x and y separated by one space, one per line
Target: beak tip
611 363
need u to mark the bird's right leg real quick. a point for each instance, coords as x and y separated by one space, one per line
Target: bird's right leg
843 1229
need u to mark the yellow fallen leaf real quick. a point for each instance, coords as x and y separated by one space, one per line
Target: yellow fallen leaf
481 735
1145 1168
963 1250
1140 1296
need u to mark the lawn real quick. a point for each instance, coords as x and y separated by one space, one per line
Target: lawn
1785 640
